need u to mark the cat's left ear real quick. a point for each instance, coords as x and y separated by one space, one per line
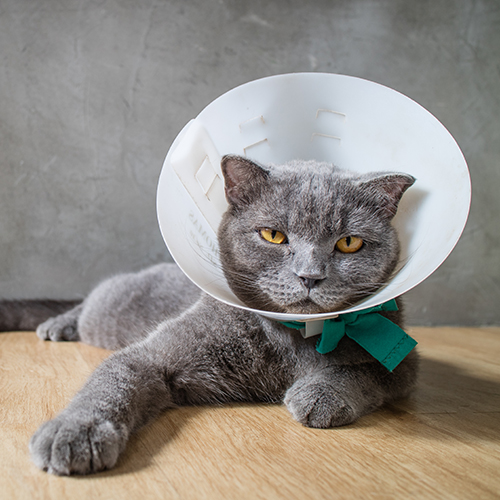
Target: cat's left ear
388 189
243 179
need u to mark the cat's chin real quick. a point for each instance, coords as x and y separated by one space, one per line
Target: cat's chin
306 306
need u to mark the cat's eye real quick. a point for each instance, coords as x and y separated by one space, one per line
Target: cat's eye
272 236
349 244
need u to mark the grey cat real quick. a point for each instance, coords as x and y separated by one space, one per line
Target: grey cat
303 237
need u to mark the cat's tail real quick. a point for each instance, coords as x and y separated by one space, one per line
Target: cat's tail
26 315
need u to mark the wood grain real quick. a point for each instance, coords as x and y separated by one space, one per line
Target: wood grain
443 442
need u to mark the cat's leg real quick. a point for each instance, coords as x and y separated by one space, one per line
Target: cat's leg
124 309
337 396
212 354
62 327
125 392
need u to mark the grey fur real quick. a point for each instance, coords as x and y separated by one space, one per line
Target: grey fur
183 347
125 308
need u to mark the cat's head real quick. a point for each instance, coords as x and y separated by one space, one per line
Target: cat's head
306 237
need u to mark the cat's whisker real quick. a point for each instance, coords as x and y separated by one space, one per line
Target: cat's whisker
198 249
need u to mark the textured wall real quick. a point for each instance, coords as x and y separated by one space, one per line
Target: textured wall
93 92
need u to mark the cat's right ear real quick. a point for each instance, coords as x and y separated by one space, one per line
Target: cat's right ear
243 179
388 189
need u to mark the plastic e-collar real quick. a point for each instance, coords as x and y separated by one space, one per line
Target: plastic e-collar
356 124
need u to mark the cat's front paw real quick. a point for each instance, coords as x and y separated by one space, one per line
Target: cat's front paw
315 403
75 445
58 329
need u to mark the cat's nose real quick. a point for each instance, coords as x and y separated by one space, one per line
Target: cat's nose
310 283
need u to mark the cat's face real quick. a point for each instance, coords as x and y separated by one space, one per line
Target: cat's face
306 237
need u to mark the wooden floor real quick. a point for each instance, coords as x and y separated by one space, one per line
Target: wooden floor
443 442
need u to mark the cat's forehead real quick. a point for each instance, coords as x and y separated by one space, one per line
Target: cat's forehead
303 169
307 196
314 186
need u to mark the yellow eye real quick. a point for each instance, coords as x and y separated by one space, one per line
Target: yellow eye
349 244
272 236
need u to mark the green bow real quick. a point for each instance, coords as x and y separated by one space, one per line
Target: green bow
383 339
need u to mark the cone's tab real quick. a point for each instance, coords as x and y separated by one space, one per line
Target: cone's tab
196 162
312 328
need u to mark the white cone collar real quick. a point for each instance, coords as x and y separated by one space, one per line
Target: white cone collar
355 124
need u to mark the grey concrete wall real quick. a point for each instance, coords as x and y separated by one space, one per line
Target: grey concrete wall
93 92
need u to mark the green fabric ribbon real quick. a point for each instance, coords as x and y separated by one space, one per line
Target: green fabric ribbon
383 339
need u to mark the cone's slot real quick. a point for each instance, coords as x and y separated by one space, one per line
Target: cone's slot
322 110
245 149
253 132
329 124
317 134
206 176
245 124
